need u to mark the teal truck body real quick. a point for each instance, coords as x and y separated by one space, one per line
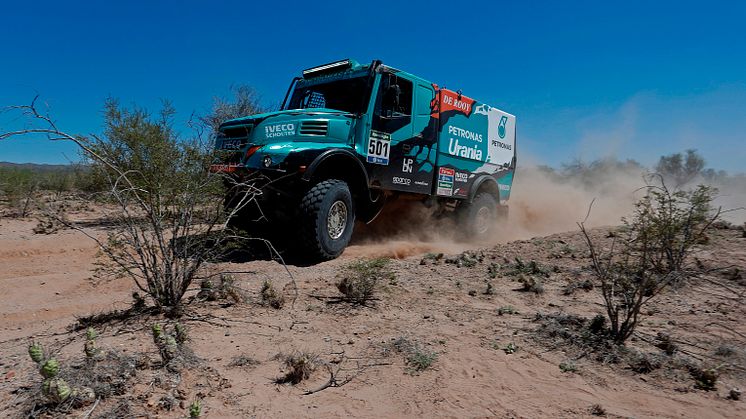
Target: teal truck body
350 137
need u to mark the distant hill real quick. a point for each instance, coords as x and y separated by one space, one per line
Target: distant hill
37 167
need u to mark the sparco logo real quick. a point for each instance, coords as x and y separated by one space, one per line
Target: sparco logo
279 130
402 181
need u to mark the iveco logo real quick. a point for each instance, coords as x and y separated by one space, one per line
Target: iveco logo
279 130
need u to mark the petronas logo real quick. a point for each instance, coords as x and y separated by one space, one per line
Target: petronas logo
501 126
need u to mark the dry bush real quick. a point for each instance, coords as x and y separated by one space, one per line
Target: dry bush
297 367
531 284
704 378
243 361
416 357
220 289
168 218
359 279
650 252
270 296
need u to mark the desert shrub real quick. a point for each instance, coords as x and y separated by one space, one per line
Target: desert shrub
585 285
222 288
568 367
490 290
17 189
359 279
467 259
416 357
650 252
680 168
532 268
506 310
704 378
531 284
432 258
243 361
168 217
297 367
510 348
270 296
597 410
493 270
245 101
420 360
665 343
643 363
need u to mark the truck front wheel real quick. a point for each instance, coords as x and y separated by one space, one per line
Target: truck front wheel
327 219
478 217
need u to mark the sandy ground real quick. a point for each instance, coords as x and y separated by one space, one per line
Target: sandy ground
46 284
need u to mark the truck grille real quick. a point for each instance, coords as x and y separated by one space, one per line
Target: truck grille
241 131
314 128
233 138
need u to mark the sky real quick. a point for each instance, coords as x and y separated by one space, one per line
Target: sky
586 80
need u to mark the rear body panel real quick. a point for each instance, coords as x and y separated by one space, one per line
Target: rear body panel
474 139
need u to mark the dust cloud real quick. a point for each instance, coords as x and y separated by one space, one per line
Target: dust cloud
543 201
540 204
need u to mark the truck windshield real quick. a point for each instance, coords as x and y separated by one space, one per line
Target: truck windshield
348 95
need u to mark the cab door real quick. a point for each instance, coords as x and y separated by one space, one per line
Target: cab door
389 148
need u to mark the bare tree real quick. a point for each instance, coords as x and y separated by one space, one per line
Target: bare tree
245 101
168 217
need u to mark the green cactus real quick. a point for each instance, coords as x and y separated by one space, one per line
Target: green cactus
56 390
181 333
90 348
50 368
36 352
157 332
91 334
195 409
170 348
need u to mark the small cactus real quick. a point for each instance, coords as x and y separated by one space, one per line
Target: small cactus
195 409
50 368
90 334
181 333
56 390
90 348
36 352
157 332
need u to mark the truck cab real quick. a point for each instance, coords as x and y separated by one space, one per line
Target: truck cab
349 137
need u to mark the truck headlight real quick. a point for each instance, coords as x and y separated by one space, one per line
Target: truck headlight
267 161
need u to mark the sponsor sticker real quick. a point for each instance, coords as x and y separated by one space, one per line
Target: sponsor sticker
379 147
445 181
279 130
401 181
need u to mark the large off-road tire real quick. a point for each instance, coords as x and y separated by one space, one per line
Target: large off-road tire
479 217
327 217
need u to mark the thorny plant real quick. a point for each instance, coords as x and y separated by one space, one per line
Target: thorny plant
168 218
650 252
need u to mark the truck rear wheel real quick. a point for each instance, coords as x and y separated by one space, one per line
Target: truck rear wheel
478 217
327 219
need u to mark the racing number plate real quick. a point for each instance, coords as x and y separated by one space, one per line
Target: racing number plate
379 147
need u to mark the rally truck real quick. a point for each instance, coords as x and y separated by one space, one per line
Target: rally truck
350 137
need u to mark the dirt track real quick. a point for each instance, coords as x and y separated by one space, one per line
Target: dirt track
46 284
